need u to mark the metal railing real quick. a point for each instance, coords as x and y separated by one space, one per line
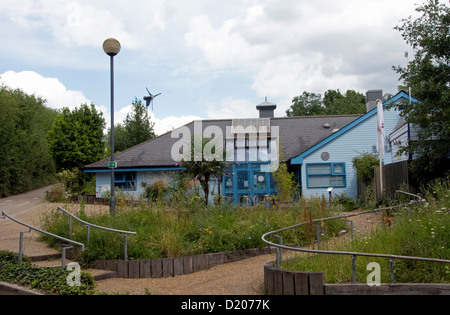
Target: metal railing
279 247
64 248
88 226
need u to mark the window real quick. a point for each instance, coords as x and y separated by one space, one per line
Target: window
250 150
125 181
326 175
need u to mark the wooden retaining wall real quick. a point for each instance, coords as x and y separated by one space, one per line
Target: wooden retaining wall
283 282
171 267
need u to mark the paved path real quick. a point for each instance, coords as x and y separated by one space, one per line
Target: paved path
28 208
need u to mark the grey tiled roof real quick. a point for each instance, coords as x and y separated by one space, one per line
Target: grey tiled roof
297 135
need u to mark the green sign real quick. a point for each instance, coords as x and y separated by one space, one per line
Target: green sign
112 164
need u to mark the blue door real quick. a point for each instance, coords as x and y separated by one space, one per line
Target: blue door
247 184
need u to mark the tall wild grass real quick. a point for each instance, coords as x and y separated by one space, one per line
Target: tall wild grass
191 229
420 231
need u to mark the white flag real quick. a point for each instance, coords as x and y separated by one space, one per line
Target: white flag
380 127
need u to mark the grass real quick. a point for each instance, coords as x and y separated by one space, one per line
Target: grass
188 230
422 231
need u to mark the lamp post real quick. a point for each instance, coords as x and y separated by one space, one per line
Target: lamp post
112 47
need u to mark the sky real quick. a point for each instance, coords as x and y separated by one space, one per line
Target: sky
209 59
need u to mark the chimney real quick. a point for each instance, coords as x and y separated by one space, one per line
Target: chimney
371 99
266 109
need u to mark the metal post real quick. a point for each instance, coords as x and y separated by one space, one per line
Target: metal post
88 233
354 268
279 254
21 245
351 227
391 265
70 227
63 256
318 230
125 247
112 202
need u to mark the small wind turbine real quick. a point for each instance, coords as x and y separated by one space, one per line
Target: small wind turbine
149 99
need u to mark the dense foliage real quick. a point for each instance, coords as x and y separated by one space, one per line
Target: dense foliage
418 231
364 164
51 280
333 103
428 77
26 161
190 228
136 129
76 137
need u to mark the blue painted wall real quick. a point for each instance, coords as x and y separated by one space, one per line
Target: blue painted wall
361 136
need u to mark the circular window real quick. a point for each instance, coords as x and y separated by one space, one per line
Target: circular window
325 156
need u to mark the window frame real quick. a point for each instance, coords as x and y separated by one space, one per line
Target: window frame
331 175
123 184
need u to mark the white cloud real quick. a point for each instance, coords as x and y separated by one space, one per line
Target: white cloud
230 108
170 123
294 46
162 125
87 23
222 47
50 89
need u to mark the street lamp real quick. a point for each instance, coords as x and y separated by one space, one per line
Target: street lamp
111 47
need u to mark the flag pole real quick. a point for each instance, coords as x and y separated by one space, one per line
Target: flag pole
380 129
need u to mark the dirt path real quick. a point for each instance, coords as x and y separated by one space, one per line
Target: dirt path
244 277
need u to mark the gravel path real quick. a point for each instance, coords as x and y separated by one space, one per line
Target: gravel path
244 277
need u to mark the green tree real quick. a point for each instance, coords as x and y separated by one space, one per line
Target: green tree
333 103
428 76
26 159
137 124
136 129
365 164
307 104
201 167
76 137
338 104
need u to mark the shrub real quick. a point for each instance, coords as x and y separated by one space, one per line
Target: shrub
156 190
52 280
364 164
285 183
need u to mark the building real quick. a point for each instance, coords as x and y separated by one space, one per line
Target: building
318 149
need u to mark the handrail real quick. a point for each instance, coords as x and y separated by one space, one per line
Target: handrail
4 214
89 225
280 246
93 225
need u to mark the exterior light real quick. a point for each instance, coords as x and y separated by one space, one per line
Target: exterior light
112 47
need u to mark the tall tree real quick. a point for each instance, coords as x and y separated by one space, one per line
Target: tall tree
76 137
26 162
205 165
137 124
137 128
333 103
307 104
428 76
338 104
